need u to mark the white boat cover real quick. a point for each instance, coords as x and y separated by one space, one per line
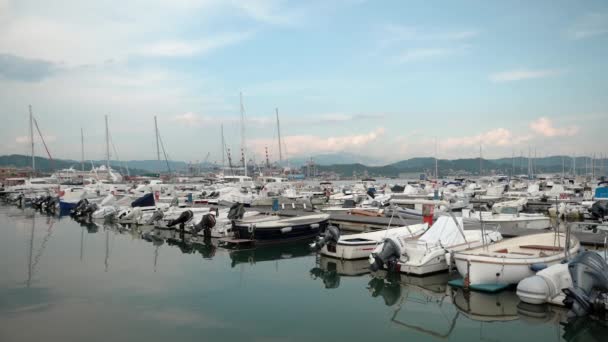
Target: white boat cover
444 231
108 200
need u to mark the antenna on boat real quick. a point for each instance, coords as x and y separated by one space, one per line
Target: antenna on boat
32 140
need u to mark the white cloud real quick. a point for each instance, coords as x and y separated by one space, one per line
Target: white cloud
544 126
397 33
499 137
407 44
311 144
25 139
522 74
420 54
588 26
174 48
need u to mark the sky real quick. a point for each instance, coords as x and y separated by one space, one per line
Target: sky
384 79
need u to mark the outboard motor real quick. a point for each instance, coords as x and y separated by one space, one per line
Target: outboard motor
331 235
237 211
89 209
207 222
588 293
599 209
181 220
80 206
387 257
156 216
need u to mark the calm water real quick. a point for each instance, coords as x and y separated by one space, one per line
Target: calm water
64 281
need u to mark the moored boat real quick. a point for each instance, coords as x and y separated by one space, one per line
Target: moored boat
509 261
281 230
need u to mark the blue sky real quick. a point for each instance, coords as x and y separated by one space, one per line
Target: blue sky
377 78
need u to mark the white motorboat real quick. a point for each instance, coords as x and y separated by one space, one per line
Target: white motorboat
509 261
431 252
508 221
359 246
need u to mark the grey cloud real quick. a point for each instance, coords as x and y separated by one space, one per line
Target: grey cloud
24 69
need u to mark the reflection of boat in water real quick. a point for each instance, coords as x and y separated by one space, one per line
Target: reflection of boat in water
486 307
417 302
344 267
269 253
330 270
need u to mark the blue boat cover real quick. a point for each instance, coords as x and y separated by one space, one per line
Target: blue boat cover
146 200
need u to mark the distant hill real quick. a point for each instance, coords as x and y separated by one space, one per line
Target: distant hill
507 166
334 159
470 166
46 165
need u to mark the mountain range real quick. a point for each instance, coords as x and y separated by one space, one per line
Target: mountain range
342 164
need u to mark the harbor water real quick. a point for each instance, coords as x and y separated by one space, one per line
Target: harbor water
66 281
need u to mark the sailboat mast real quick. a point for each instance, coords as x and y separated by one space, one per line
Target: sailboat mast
223 148
436 168
32 139
279 132
156 134
107 147
243 151
81 149
480 160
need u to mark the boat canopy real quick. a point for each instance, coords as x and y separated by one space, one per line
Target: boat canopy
444 232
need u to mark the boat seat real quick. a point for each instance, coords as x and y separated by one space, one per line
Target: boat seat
506 251
543 247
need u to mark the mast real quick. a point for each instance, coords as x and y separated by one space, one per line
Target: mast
223 148
480 160
279 132
81 149
512 163
32 139
156 133
243 151
436 168
107 147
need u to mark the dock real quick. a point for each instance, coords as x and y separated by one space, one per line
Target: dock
360 224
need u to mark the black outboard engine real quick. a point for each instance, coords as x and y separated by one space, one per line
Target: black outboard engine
80 206
387 257
237 211
331 235
181 220
589 291
599 209
207 222
156 216
90 209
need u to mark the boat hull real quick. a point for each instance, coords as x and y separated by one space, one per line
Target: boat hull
282 234
487 268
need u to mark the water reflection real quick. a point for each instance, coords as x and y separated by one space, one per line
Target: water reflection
486 307
329 270
52 269
269 253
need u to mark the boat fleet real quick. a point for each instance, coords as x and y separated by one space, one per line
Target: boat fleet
434 227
